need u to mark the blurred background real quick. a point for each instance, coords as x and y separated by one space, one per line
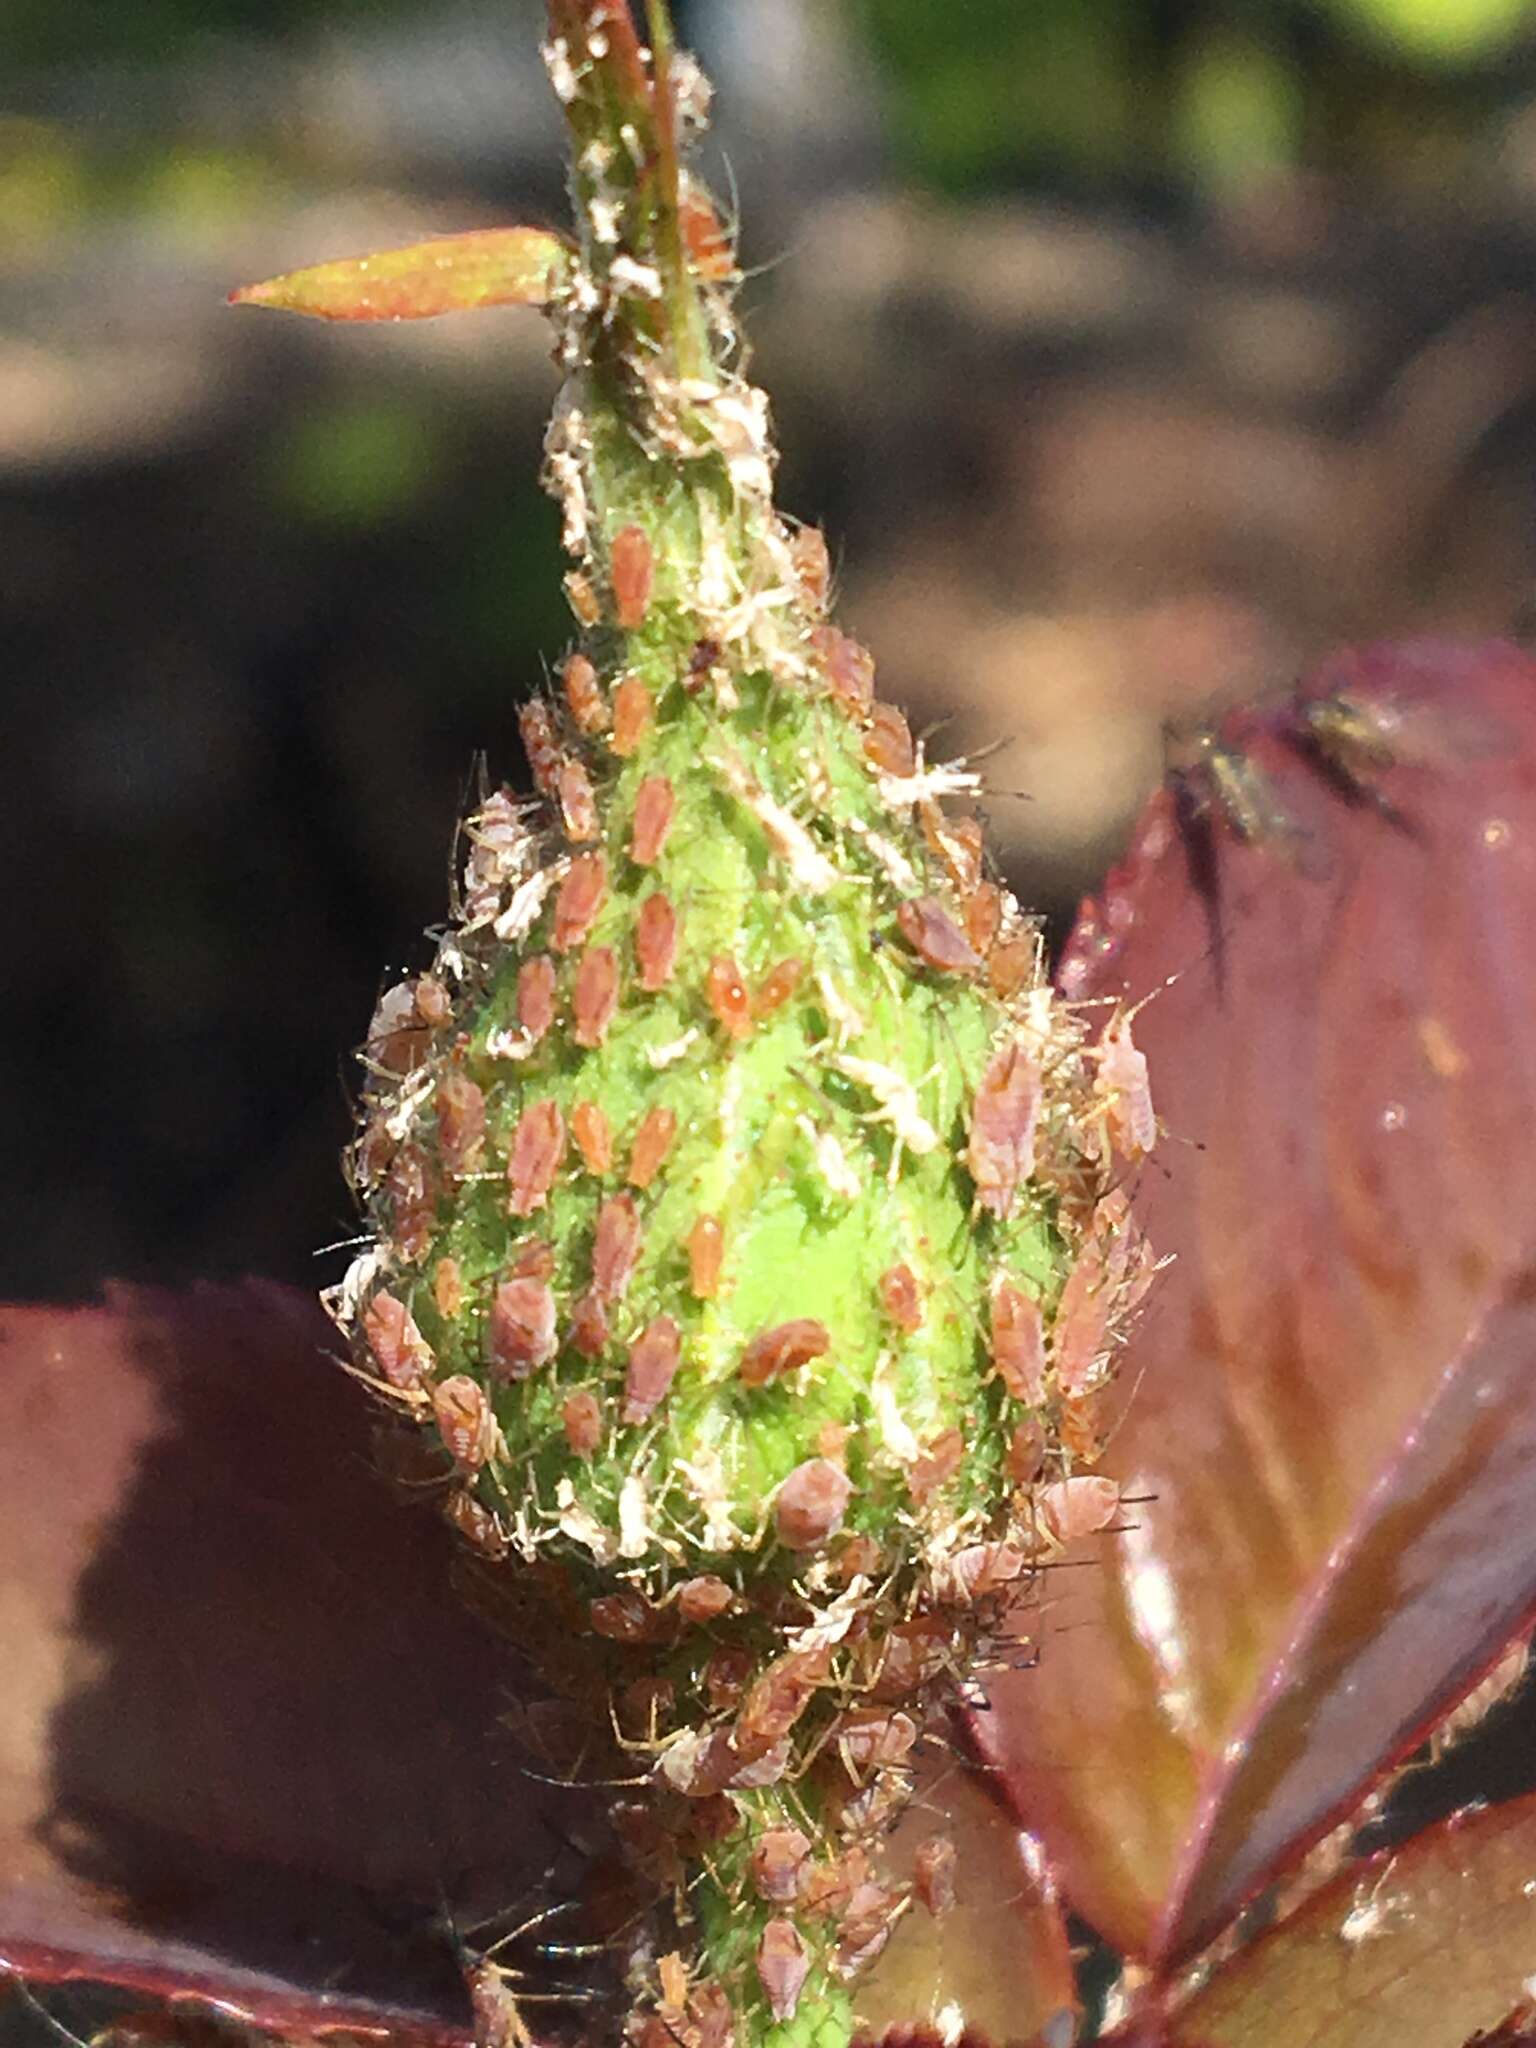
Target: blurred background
1131 352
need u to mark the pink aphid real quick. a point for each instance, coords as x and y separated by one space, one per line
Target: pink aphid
782 1967
1018 1342
656 943
578 804
581 896
977 1571
935 938
616 1247
1073 1508
1125 1091
811 1504
653 1359
584 695
655 808
522 1328
589 1324
1004 1116
596 995
538 1149
632 568
460 1123
539 743
782 1349
778 1863
403 1355
464 1421
933 1874
536 995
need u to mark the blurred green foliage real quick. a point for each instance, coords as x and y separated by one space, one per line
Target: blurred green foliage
150 31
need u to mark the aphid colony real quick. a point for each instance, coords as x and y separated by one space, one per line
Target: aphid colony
751 1226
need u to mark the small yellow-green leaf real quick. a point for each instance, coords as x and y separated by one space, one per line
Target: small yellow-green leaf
450 274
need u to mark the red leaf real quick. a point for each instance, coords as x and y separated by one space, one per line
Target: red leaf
450 274
1335 1406
1418 1948
253 1743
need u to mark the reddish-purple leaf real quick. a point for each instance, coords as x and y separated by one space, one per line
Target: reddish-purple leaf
1332 1439
1423 1947
450 274
253 1744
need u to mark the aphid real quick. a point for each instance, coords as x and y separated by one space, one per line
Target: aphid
934 936
888 741
1221 778
412 1202
538 1149
578 805
656 942
476 1524
848 668
1000 1152
581 897
583 693
653 1141
937 1466
632 571
901 1298
655 808
448 1287
589 1325
434 1006
1354 743
1010 965
653 1360
782 1967
977 1571
1073 1508
1026 1453
460 1123
701 659
536 995
582 1420
709 248
728 997
594 1136
956 842
811 1504
777 986
726 1676
672 1975
497 2021
397 1041
533 1258
858 1557
933 1874
522 1328
402 1354
596 995
616 1247
545 757
782 1349
911 1655
1018 1342
777 1864
583 598
710 2016
778 1697
706 1251
1125 1091
1079 1425
626 1617
704 1599
812 565
632 713
983 911
866 1926
464 1421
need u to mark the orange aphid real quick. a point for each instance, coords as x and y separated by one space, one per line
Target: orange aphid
632 712
655 808
533 1258
632 570
710 252
536 995
464 1421
653 1141
937 1466
1018 1342
706 1251
777 986
596 994
705 1598
901 1297
888 742
540 745
983 915
812 564
402 1354
1001 1150
616 1246
728 996
811 1504
1072 1508
589 1324
581 897
934 936
656 942
594 1135
460 1123
475 1523
1026 1453
538 1147
578 588
933 1874
522 1328
626 1617
448 1287
782 1349
1010 964
584 695
848 668
578 805
653 1359
957 844
582 1420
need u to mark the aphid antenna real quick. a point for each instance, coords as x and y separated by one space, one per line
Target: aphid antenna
344 1244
